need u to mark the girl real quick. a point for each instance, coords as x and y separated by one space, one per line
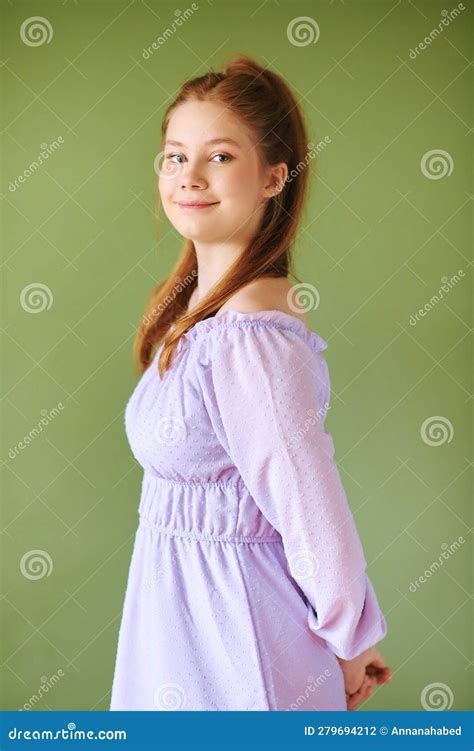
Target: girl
247 587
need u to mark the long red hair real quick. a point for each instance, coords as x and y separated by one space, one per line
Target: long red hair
265 103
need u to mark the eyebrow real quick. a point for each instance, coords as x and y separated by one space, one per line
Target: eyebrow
208 143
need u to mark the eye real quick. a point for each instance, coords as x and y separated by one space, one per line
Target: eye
226 156
171 157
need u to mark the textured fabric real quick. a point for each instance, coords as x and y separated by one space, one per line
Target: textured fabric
247 574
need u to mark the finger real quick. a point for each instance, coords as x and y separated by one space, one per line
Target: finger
361 688
368 685
378 668
376 681
379 662
384 676
374 671
355 702
352 702
359 697
364 685
381 674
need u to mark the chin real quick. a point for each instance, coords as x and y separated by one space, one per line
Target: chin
199 236
200 231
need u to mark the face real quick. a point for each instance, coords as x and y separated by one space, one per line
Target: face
212 184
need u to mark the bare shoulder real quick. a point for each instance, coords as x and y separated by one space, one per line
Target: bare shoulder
268 293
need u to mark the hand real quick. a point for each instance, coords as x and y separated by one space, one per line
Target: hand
362 694
362 674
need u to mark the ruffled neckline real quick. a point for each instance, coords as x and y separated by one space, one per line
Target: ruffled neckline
272 318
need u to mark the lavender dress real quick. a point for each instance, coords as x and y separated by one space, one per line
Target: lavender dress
247 574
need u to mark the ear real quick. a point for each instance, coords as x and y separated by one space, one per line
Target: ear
275 179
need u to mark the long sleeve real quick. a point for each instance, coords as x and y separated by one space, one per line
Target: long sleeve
271 393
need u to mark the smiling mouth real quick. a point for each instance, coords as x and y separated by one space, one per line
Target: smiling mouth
196 205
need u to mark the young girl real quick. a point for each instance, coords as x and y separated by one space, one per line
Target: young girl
247 587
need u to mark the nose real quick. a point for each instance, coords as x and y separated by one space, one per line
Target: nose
191 178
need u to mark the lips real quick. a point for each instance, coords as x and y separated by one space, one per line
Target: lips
196 204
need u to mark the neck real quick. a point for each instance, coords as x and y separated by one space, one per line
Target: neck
213 262
215 258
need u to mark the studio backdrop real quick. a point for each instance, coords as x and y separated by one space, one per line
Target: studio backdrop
382 257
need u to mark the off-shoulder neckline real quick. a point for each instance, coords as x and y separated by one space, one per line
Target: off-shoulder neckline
271 318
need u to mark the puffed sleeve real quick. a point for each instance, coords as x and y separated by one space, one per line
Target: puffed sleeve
271 393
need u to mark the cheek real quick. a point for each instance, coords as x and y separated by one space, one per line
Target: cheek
242 183
164 189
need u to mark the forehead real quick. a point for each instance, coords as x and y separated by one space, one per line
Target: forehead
195 122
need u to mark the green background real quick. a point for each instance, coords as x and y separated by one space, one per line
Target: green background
377 238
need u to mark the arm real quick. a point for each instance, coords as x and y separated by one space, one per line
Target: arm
271 394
